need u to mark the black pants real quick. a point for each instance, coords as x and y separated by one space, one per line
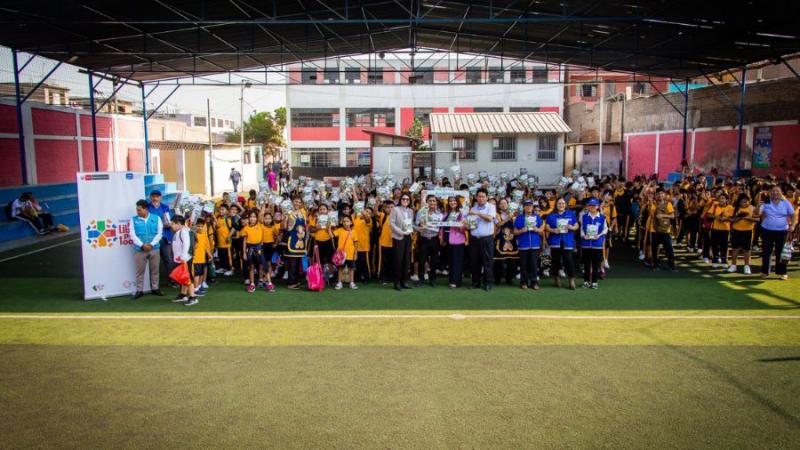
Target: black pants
591 264
386 264
563 258
167 262
719 245
225 257
427 250
481 256
505 268
529 267
705 242
294 267
362 266
690 228
401 257
456 274
661 239
772 239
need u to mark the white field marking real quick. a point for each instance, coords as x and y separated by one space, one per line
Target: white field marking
39 250
385 316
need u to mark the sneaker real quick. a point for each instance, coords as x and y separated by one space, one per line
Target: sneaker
706 260
180 298
338 286
353 285
138 294
204 285
192 301
251 288
747 270
783 277
262 284
641 255
293 286
285 275
246 282
270 287
731 269
445 272
157 292
200 292
586 285
546 274
606 265
220 271
228 273
414 277
595 286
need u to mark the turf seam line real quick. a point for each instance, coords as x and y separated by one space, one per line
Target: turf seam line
383 316
38 250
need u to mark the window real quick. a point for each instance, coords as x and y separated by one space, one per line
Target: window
422 75
331 76
474 75
465 145
257 153
352 75
523 109
199 121
247 159
641 88
488 109
389 141
358 157
518 75
504 148
375 76
308 75
589 90
315 117
548 144
315 157
496 75
540 75
370 117
424 115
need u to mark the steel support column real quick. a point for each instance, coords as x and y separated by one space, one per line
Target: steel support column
146 140
94 121
741 122
685 117
20 129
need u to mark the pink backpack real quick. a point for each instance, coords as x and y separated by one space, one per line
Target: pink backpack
315 276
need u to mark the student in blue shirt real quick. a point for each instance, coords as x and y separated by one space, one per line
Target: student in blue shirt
529 229
593 232
561 225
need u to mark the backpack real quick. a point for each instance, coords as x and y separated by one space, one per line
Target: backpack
315 277
192 239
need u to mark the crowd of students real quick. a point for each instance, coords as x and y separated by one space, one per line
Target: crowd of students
362 233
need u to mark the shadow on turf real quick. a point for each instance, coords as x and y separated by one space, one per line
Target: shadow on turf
786 359
51 282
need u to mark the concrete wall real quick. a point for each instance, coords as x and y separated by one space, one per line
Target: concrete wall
527 146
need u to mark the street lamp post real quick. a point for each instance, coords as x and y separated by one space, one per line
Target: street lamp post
244 85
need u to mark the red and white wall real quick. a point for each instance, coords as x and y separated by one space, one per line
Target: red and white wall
660 152
58 143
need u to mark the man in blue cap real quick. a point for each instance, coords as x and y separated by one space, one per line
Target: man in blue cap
161 211
593 231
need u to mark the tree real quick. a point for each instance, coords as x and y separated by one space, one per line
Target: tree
264 128
416 131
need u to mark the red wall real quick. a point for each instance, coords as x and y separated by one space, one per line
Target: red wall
10 170
554 109
785 150
463 109
54 123
670 151
357 134
406 119
715 148
103 125
642 149
312 134
8 119
56 161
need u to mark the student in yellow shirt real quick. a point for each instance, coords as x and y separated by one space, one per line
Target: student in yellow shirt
319 225
201 256
251 202
385 270
224 227
721 213
271 236
362 225
742 224
252 235
346 240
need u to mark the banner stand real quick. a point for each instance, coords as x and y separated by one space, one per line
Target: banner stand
107 202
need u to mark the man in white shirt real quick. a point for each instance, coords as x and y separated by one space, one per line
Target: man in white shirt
481 241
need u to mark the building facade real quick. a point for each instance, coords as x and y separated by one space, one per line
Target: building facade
329 107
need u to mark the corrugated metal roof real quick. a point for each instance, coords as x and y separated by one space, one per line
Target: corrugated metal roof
496 123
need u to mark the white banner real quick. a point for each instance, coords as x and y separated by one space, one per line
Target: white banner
107 201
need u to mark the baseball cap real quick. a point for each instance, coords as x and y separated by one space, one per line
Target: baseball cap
593 202
527 202
155 192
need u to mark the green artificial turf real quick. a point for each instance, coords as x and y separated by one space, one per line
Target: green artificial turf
399 397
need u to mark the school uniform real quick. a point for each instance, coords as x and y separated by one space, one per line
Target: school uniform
529 244
506 254
562 245
592 249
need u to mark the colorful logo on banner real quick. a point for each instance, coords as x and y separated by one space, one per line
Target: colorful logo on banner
762 148
102 233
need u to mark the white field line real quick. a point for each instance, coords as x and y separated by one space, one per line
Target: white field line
385 316
39 250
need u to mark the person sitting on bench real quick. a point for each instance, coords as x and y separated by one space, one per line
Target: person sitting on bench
27 209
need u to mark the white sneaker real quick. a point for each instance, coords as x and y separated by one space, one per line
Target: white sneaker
425 275
445 272
586 285
641 255
732 269
353 285
219 271
338 286
286 275
747 270
414 277
706 260
595 285
246 281
204 285
518 276
228 273
606 265
562 274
